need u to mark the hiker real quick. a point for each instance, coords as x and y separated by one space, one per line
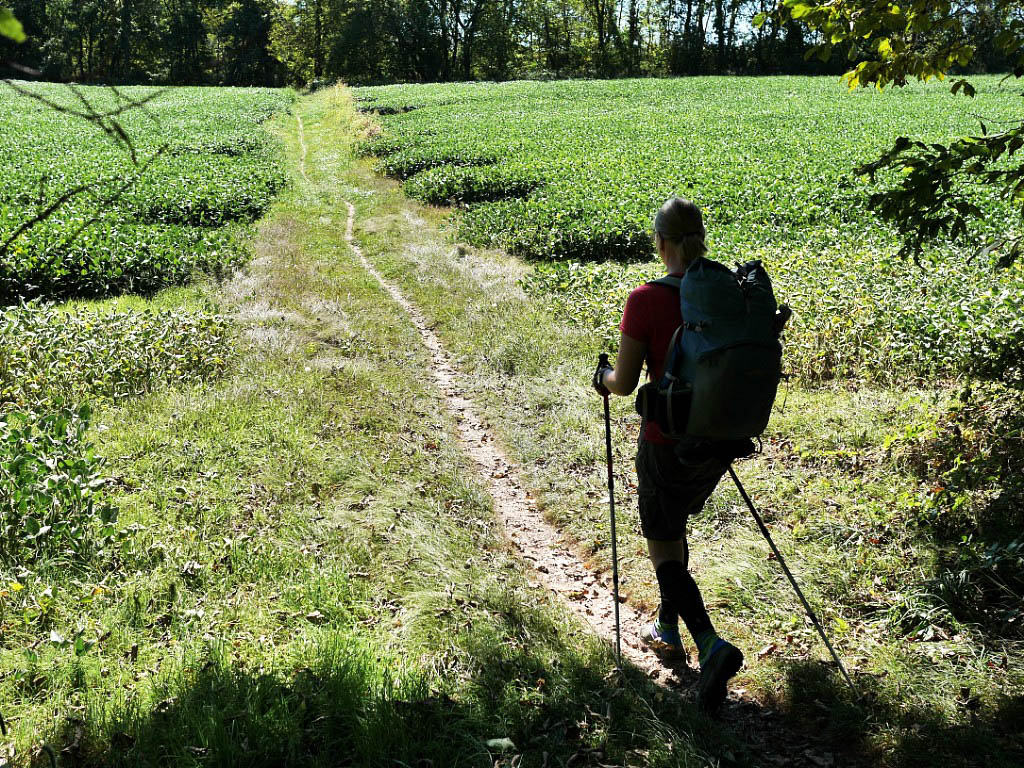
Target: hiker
675 476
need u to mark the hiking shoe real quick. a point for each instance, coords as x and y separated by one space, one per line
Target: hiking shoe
724 661
664 639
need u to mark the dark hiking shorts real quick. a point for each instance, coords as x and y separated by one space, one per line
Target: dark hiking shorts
671 491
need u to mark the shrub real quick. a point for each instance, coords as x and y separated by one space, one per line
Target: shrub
50 356
974 467
51 500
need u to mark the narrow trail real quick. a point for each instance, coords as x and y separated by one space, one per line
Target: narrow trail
537 540
555 566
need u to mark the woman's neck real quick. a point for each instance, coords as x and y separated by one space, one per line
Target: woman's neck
676 265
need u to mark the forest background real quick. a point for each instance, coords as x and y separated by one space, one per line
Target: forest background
300 42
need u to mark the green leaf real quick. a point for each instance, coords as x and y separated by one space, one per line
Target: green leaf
82 645
10 27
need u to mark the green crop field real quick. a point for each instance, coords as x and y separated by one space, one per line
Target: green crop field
239 523
217 168
570 173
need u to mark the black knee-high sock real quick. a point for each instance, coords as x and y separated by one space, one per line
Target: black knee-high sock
680 594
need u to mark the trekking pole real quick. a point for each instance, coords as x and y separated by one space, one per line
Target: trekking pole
789 575
611 503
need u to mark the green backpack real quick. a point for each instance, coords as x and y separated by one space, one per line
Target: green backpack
724 362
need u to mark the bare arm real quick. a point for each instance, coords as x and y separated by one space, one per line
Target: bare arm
630 362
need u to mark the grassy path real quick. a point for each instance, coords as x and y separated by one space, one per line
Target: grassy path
537 541
543 547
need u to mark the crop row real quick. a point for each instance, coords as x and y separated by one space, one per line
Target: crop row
889 322
53 357
205 165
570 174
767 159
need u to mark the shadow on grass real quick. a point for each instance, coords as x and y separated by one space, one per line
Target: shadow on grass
335 699
878 730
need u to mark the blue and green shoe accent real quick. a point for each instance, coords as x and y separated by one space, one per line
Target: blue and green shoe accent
719 662
664 639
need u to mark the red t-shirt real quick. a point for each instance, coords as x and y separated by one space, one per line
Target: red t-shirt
651 316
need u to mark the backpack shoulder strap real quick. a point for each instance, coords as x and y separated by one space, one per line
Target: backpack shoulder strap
672 281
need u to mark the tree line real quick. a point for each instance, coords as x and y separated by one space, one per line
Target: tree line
298 42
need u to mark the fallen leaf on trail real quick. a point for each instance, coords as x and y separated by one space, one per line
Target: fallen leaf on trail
931 633
316 617
768 650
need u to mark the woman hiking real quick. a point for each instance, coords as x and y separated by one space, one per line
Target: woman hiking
675 477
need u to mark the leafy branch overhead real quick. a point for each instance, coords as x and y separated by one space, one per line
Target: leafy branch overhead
935 186
10 27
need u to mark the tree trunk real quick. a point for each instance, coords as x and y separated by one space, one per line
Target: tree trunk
720 33
601 22
634 36
124 53
468 35
318 39
442 18
734 11
698 38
